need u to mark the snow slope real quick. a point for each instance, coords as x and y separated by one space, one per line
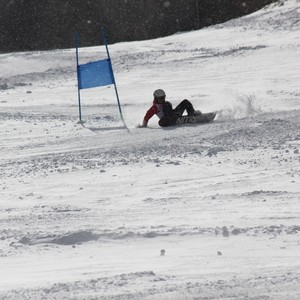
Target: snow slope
86 210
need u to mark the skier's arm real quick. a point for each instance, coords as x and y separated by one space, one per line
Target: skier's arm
150 113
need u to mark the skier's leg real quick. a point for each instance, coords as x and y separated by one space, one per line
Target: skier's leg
167 121
184 105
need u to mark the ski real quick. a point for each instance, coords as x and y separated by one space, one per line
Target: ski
202 118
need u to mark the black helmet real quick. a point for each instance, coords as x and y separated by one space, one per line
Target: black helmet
159 93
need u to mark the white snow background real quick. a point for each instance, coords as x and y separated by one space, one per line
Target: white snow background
86 210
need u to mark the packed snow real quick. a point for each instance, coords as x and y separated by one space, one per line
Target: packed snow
93 211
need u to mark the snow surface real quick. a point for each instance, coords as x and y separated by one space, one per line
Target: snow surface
86 210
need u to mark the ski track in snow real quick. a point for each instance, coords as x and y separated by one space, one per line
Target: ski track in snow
85 210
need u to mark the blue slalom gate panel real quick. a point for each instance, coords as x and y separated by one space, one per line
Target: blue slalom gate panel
93 74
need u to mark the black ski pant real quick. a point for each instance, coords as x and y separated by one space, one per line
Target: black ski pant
171 119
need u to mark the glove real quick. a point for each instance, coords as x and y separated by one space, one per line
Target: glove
142 125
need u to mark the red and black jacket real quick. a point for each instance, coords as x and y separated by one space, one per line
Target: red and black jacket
160 109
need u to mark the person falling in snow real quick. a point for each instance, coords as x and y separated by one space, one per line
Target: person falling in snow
165 112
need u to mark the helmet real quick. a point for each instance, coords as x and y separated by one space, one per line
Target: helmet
159 93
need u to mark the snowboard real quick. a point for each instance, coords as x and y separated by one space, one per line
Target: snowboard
202 118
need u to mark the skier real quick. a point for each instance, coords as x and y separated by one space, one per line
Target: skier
166 114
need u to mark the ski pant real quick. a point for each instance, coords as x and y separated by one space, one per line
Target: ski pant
170 120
